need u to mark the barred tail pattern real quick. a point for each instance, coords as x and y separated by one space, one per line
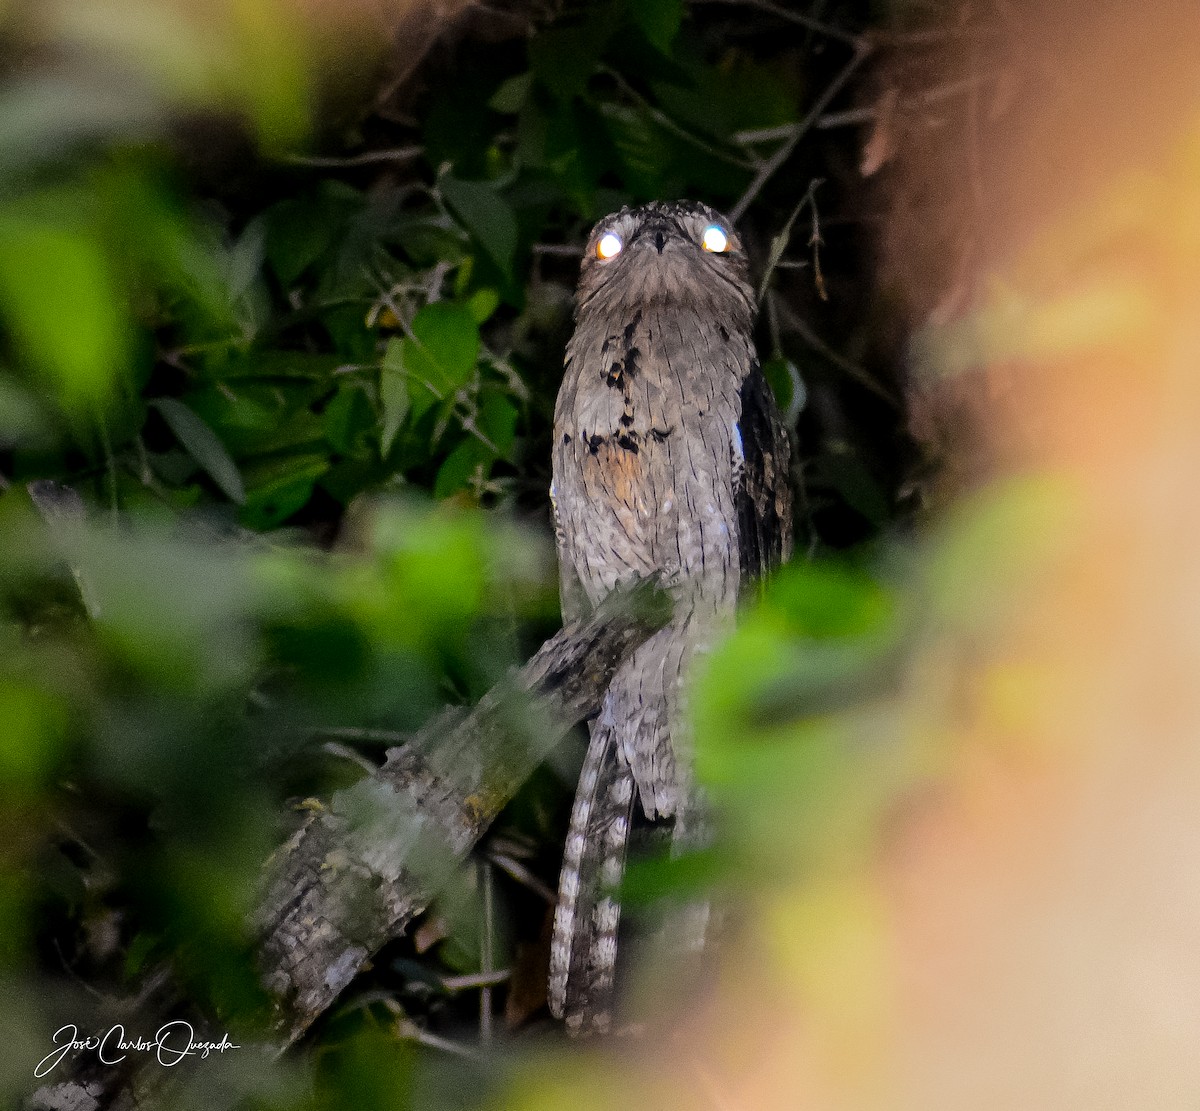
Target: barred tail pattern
583 950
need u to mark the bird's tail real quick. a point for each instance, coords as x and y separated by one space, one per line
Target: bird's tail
583 951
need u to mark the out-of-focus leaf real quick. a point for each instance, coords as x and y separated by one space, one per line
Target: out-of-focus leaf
203 445
277 488
31 739
347 417
393 393
512 94
564 58
300 231
21 417
738 94
60 297
848 474
640 144
498 422
44 116
482 304
659 20
783 376
245 259
460 466
487 216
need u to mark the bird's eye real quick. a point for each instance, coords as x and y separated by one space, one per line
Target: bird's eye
610 244
714 239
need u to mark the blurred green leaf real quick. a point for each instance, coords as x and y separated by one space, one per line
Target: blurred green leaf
393 392
512 94
347 418
783 376
60 297
640 143
278 487
498 421
32 737
22 419
203 445
845 470
482 304
460 466
564 58
298 232
659 20
487 216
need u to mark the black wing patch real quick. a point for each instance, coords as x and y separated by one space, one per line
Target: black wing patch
763 496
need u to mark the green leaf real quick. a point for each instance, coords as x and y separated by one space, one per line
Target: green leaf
279 487
298 233
347 418
512 94
498 422
393 393
640 143
563 58
482 304
59 297
848 474
487 216
659 20
783 376
439 357
203 445
460 465
245 260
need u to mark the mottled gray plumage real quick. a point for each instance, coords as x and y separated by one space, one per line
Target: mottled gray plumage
669 458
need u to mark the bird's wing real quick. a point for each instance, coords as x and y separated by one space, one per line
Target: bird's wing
574 602
761 459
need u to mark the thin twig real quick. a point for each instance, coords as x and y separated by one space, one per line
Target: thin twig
663 120
795 323
851 117
922 38
473 980
772 165
347 753
432 1041
367 158
354 733
763 134
820 27
485 952
522 875
780 242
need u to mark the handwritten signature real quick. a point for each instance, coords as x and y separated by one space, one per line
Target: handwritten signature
173 1042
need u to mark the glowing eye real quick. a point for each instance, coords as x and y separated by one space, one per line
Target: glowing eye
610 244
714 239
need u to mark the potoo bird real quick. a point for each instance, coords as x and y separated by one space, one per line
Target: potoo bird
669 459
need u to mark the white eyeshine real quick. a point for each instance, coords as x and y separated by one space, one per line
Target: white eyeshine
714 239
610 244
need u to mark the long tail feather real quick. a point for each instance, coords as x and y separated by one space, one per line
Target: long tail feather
583 950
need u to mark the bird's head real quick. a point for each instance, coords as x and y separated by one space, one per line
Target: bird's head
679 254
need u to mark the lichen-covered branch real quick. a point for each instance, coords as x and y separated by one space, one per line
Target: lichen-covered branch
359 870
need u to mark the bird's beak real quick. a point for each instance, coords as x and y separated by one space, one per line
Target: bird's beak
658 232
